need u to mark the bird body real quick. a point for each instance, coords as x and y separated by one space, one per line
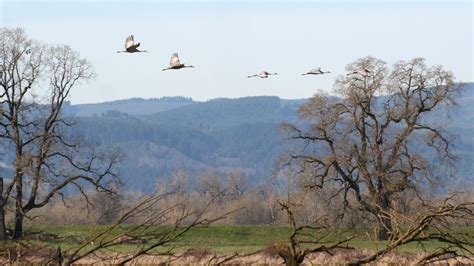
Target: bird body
363 72
262 74
175 63
131 46
316 71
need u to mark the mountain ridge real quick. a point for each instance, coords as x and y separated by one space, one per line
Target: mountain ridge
163 135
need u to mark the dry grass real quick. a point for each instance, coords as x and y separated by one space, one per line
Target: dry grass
197 256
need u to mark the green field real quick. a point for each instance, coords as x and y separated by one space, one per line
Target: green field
215 238
219 238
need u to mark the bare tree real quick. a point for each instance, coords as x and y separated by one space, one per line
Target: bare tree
315 234
376 139
435 225
47 158
157 220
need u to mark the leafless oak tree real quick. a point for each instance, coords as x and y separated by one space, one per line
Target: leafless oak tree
157 220
376 139
36 80
432 225
314 234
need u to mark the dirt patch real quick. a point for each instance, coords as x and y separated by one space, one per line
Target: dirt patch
52 238
125 239
198 256
204 257
19 253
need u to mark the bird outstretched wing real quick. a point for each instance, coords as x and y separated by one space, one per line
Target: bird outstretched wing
174 61
129 42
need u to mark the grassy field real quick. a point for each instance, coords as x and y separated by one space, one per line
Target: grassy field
221 238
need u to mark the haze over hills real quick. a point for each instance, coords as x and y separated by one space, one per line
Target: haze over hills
161 136
133 106
224 135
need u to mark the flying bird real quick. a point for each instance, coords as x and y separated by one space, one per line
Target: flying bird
175 63
262 74
363 72
130 46
316 71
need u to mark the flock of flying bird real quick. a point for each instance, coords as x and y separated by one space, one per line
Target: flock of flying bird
132 47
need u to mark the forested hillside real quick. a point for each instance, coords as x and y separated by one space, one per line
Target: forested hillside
135 106
161 136
223 135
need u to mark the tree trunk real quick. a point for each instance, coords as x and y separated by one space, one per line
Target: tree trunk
384 228
18 232
289 257
3 229
385 223
290 260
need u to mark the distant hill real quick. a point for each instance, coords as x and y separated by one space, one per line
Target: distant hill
133 106
225 135
160 136
226 113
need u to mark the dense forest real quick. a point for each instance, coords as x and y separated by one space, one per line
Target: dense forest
161 136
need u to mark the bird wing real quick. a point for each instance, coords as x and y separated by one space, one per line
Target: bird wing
129 42
174 61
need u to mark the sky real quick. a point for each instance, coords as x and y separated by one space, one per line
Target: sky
228 40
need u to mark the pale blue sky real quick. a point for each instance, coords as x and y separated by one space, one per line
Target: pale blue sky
229 40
